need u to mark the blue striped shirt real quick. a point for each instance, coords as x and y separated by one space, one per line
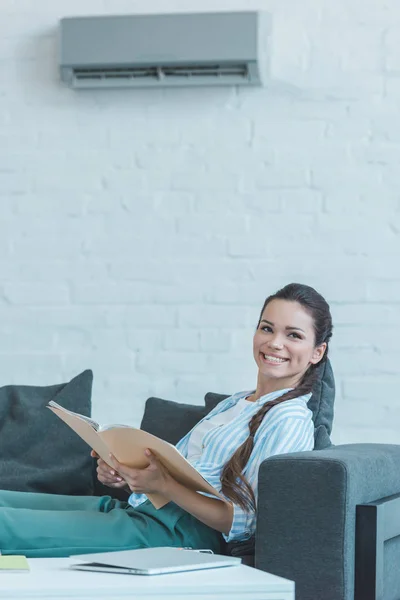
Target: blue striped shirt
287 427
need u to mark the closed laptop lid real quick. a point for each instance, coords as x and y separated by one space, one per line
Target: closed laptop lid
155 560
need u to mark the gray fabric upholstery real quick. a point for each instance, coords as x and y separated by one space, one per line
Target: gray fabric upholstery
39 453
306 514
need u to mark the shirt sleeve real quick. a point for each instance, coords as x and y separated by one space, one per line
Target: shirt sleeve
290 434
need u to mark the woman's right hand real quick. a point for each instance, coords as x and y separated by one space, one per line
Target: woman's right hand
106 474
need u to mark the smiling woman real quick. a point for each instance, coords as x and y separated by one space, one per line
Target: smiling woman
291 338
226 447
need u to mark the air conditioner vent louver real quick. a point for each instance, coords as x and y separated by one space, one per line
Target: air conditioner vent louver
110 73
161 72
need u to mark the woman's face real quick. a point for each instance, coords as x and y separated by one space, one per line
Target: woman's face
284 343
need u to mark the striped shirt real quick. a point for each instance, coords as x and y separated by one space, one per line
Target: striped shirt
287 427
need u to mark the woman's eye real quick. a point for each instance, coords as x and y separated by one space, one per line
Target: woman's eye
266 328
296 335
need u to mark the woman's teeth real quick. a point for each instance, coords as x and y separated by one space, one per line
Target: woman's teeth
274 359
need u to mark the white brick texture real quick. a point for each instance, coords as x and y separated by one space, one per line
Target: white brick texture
141 230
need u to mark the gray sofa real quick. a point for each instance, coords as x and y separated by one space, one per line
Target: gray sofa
328 519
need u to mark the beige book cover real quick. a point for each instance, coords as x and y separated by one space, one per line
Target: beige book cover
128 444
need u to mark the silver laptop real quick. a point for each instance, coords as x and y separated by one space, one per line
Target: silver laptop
152 561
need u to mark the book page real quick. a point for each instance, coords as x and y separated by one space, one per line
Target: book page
116 425
91 422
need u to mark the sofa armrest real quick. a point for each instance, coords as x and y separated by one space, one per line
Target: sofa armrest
307 513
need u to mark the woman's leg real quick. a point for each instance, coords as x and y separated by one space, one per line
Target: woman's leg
42 525
55 525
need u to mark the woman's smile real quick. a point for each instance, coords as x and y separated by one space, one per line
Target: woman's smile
272 359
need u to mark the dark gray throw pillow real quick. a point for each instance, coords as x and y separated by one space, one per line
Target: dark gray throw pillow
321 403
211 400
38 451
170 420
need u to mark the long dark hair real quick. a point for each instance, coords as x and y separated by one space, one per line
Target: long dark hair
234 484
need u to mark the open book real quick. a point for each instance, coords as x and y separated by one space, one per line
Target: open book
128 444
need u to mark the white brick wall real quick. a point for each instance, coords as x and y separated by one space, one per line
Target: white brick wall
140 230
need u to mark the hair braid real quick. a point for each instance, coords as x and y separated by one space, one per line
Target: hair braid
234 484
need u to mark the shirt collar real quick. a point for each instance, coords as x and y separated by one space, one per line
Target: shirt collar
266 398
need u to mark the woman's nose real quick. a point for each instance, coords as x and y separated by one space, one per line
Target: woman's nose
276 343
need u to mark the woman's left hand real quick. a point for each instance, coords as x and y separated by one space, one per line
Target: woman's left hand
153 479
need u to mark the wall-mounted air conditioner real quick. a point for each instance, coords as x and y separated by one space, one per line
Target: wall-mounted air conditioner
161 50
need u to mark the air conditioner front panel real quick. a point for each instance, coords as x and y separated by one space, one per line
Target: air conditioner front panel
158 38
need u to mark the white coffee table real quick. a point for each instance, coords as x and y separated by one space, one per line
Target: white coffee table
51 578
